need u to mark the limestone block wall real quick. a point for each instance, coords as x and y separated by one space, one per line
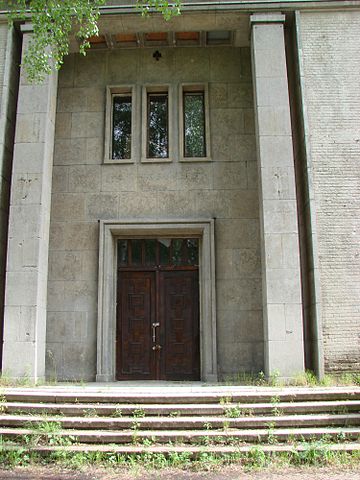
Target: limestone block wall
8 97
4 175
331 62
85 190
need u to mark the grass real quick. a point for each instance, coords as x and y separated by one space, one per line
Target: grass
306 379
315 454
303 379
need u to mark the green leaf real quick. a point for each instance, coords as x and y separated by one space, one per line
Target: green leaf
54 20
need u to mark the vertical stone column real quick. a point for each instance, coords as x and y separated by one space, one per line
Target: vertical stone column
29 221
282 301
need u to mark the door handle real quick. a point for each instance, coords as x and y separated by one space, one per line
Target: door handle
156 347
154 326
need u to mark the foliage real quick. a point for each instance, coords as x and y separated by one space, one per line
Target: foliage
54 20
168 10
315 454
47 432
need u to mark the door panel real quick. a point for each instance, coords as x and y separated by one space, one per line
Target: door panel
135 315
179 325
157 330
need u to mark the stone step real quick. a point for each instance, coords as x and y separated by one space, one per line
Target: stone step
232 436
245 409
191 450
254 395
181 423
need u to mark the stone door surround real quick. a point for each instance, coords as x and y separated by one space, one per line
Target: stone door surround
110 232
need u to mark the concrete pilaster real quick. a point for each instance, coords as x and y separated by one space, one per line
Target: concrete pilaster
282 303
29 220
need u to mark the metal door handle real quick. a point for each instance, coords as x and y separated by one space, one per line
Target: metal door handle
154 325
156 347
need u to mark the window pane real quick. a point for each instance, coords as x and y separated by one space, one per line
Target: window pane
164 250
136 252
121 146
192 245
122 252
177 252
158 143
150 252
194 124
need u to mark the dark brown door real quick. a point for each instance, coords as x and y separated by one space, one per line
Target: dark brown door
157 332
135 315
179 318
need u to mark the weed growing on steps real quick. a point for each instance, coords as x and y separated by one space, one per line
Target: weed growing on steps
139 412
135 427
226 425
147 442
207 426
271 437
275 410
47 432
2 403
175 414
90 412
7 381
233 411
117 412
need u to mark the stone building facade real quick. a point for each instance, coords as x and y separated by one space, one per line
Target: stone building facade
126 250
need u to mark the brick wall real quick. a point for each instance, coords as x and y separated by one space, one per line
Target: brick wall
331 60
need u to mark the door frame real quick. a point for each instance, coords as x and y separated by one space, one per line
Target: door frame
110 232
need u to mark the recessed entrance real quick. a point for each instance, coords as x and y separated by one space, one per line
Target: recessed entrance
110 262
157 317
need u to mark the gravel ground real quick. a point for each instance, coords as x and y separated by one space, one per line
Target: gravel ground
226 473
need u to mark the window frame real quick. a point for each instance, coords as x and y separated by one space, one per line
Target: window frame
139 128
111 93
196 88
157 89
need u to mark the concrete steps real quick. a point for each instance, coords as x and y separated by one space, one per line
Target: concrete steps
191 451
255 395
125 409
224 420
186 423
232 436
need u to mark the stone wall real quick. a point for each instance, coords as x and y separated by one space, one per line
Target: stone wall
8 98
330 53
85 191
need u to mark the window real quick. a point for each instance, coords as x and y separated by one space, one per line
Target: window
120 144
157 252
157 134
143 123
157 125
121 127
194 123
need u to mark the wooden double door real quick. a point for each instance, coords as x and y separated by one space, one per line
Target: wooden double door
157 334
